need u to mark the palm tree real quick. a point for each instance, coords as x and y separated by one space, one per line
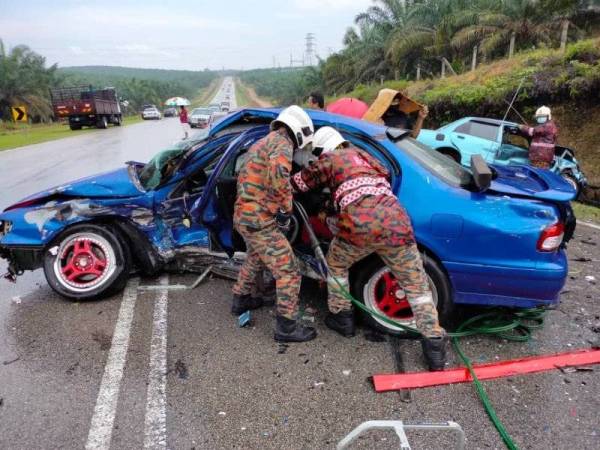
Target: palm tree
531 22
25 80
428 28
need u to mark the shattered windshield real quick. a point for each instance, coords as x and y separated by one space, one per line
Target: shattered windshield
162 166
441 165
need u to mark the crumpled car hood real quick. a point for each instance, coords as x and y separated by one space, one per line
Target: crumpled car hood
114 184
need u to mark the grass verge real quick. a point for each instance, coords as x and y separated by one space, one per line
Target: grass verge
586 213
241 95
206 95
21 135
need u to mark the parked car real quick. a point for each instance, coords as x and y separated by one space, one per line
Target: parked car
199 117
495 243
170 112
151 113
491 139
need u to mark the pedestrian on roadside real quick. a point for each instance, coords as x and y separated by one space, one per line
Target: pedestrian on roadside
262 214
370 220
543 138
183 118
316 101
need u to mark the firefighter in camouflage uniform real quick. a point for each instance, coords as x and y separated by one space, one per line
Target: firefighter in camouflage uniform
370 219
262 213
543 138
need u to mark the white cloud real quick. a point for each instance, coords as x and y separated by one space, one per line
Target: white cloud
326 6
75 49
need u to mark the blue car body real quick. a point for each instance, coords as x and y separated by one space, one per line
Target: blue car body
486 242
490 139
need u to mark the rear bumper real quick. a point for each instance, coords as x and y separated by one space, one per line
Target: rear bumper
510 287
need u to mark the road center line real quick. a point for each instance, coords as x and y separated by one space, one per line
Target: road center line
100 433
155 425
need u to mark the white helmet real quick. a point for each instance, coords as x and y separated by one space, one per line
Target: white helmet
296 119
544 111
328 139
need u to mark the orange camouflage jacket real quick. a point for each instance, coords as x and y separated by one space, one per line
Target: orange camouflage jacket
263 186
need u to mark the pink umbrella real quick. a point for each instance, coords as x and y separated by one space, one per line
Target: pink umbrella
350 107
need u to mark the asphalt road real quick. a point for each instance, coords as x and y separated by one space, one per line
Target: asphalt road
166 368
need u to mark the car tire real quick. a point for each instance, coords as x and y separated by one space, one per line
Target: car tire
103 123
569 178
75 127
118 121
368 283
87 262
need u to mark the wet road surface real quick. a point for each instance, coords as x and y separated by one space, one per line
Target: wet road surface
171 369
188 377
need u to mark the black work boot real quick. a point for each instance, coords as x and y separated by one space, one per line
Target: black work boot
242 303
288 330
342 322
434 350
265 288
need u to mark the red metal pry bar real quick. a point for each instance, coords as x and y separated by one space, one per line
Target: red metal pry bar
394 382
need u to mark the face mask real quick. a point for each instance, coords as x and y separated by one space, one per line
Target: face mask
542 119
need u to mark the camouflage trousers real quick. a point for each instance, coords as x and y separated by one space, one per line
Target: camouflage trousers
540 164
268 247
405 263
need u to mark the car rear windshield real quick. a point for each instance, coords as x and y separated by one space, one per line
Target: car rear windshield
442 166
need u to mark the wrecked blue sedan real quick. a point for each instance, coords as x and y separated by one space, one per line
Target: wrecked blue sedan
497 243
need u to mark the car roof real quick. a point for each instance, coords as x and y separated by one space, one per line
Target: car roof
319 118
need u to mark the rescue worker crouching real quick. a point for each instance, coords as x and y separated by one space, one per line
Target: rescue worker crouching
543 138
370 220
262 210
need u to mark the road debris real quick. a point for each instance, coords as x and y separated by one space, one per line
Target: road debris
6 363
244 319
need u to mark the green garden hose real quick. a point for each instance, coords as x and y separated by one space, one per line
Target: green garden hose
516 326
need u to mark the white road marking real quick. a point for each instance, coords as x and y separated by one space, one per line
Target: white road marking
155 426
587 224
100 433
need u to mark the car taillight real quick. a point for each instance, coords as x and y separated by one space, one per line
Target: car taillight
551 237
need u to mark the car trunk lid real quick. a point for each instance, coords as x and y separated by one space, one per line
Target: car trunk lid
529 182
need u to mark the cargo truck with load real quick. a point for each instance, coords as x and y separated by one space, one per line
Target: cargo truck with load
86 106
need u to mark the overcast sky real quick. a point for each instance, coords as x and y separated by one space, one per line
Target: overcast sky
172 34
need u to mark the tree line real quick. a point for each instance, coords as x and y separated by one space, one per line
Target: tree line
396 39
26 80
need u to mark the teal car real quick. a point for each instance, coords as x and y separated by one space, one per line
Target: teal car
492 139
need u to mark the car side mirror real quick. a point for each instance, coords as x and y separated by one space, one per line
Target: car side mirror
482 174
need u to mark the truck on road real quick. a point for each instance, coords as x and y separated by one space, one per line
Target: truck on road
86 106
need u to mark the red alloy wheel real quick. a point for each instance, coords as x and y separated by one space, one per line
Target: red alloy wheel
84 262
390 299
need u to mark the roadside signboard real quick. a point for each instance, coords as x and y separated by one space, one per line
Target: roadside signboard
19 113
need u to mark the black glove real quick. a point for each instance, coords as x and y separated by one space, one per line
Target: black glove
283 221
512 130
